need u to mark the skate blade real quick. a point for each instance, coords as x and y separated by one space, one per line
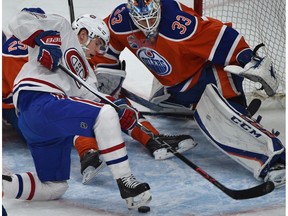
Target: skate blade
162 154
140 200
90 173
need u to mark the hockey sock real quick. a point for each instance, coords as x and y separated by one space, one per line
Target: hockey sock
110 141
139 135
27 186
84 144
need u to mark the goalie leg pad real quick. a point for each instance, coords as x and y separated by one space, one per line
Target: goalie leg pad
238 136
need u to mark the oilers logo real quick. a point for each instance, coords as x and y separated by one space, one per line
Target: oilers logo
154 61
76 64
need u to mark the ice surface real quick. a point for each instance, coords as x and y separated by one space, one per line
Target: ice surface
177 189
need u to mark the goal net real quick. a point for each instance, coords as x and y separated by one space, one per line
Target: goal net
259 21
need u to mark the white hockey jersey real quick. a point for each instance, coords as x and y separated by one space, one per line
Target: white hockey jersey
35 77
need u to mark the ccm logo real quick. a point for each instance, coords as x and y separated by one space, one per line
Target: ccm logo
245 126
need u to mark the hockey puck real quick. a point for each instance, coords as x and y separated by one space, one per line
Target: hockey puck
144 209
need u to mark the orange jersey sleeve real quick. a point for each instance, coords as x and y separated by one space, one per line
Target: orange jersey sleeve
14 56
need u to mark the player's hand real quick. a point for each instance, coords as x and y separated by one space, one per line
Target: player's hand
127 114
50 51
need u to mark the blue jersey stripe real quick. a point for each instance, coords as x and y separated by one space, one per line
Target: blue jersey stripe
224 46
116 161
20 190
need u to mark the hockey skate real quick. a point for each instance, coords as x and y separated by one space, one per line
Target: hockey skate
179 143
90 165
258 70
277 174
136 194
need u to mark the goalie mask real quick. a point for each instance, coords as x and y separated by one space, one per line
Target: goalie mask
145 14
95 27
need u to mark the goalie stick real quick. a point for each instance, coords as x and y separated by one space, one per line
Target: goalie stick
140 100
158 110
179 111
169 114
253 192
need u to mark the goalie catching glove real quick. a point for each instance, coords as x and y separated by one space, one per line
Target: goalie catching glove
50 52
258 70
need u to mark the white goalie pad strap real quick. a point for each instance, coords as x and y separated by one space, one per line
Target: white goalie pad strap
110 80
238 136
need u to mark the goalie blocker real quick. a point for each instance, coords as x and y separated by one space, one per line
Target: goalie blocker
240 137
110 80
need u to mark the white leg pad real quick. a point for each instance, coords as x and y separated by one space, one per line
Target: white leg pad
238 136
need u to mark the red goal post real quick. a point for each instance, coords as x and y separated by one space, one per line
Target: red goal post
259 21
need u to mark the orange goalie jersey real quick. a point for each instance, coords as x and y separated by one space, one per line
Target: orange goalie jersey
185 44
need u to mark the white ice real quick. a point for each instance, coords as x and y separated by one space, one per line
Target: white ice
177 189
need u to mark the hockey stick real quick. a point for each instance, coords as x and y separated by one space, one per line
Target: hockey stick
71 10
179 111
158 110
253 192
140 100
169 114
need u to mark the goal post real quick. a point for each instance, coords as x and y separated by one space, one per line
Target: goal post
259 21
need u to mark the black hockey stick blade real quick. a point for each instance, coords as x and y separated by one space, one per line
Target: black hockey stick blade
253 192
257 191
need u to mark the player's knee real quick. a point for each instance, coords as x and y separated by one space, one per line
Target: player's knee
56 189
107 127
107 113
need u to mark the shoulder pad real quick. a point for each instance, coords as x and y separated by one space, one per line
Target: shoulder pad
13 46
120 20
176 24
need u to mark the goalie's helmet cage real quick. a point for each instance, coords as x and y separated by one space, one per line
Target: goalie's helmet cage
145 14
95 27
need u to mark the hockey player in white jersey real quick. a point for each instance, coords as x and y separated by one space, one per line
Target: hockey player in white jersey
53 108
109 82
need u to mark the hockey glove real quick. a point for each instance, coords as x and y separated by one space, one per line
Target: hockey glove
50 51
258 70
127 114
